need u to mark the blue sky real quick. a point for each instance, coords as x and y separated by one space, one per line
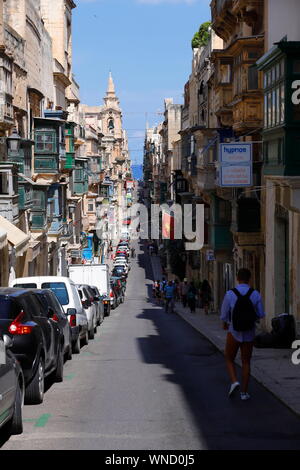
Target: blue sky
146 45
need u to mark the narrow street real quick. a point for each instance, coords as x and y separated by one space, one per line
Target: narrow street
150 381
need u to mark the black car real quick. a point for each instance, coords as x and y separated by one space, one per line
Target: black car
36 339
11 390
57 315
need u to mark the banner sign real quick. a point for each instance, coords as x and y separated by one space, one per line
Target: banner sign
236 176
236 170
236 153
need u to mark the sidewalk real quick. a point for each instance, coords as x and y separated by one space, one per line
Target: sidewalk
272 368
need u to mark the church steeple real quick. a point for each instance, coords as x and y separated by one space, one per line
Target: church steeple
111 100
111 86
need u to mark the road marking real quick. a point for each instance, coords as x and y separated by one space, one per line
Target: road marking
69 377
39 422
42 421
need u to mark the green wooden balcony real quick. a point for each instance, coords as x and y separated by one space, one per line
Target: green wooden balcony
70 161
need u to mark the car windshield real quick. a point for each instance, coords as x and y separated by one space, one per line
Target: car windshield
59 289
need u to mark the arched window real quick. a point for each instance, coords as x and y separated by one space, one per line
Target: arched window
111 125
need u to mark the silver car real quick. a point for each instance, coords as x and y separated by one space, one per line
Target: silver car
87 300
98 300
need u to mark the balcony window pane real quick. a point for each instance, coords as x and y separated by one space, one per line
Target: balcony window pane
282 103
266 111
252 78
277 105
45 142
269 109
273 108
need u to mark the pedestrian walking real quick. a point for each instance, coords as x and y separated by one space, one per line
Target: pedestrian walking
157 291
177 289
183 291
191 297
132 252
169 292
205 295
242 307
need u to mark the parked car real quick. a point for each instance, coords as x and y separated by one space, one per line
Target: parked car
12 388
36 340
113 298
57 315
66 292
87 300
98 299
119 271
121 264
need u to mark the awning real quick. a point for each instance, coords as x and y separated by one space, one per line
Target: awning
3 239
15 236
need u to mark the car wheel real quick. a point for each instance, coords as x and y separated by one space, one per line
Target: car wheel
76 346
34 393
59 372
15 426
85 340
69 353
92 333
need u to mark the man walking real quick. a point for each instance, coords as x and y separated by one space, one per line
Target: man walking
242 307
169 291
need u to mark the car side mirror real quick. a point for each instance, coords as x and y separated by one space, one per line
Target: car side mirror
8 341
71 311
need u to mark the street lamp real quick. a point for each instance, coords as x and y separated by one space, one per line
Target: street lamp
14 141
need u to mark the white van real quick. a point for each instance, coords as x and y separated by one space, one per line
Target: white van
66 292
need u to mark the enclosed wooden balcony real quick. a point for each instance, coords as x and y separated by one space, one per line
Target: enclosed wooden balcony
248 114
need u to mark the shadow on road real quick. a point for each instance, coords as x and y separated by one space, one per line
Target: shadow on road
198 370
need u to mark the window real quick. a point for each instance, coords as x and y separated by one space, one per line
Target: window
26 286
90 207
224 212
225 73
296 67
59 289
266 111
38 200
274 101
3 183
282 105
45 142
252 78
280 150
266 152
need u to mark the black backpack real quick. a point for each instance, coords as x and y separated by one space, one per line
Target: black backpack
243 314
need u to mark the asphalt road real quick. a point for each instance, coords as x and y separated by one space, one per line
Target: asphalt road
150 381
